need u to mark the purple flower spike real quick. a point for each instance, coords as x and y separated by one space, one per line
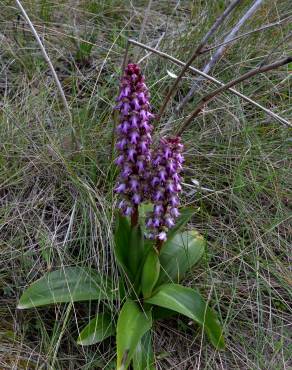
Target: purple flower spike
134 140
165 186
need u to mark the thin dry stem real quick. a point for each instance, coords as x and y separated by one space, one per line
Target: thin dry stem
212 30
218 54
210 78
55 76
145 20
263 28
207 98
46 57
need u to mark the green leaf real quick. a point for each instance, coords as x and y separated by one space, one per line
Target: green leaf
132 325
143 358
136 250
122 243
70 284
150 273
181 221
191 304
98 329
179 254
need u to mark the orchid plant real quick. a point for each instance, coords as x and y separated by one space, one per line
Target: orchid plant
151 250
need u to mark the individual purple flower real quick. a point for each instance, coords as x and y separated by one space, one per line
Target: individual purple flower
165 186
134 140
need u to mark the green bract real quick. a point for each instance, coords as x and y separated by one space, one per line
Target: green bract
148 290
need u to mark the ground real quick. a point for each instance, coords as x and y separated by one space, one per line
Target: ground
57 203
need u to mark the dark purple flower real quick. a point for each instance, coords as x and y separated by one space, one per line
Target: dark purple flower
165 186
134 139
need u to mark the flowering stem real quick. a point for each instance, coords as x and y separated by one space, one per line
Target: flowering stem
158 245
135 216
165 186
134 140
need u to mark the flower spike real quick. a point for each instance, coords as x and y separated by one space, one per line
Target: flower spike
165 186
134 140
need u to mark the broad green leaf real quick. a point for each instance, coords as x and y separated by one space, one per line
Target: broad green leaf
179 254
69 284
150 273
122 241
191 304
136 250
143 358
181 221
132 325
98 329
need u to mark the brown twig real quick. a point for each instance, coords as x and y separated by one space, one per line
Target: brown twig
203 42
206 99
219 52
210 78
